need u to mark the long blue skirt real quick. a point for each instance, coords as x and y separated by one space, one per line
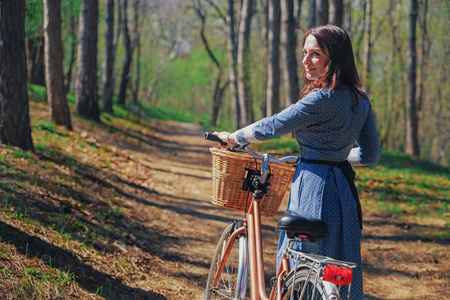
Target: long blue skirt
322 192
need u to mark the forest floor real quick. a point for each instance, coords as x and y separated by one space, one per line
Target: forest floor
147 195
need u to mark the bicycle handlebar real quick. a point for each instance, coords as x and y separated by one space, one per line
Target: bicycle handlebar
214 138
291 159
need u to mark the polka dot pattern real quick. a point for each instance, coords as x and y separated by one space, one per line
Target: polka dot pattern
326 126
322 192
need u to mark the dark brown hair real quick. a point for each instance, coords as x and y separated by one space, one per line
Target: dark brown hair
342 70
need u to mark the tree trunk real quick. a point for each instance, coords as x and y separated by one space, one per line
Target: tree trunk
161 66
54 74
243 57
155 79
73 53
336 12
321 12
367 47
273 70
86 83
15 126
289 37
312 14
219 89
348 19
386 124
265 21
108 63
137 79
264 53
232 50
34 39
412 141
119 27
298 12
35 60
137 47
128 56
423 61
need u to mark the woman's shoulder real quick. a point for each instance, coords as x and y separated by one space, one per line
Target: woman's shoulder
315 100
343 89
317 95
345 92
339 93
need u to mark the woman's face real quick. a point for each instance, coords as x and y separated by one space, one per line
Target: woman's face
315 60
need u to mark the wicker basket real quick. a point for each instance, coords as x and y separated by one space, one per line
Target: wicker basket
229 170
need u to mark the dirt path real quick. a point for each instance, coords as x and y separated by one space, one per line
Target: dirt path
170 227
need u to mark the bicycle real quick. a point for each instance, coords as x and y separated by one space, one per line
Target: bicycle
300 275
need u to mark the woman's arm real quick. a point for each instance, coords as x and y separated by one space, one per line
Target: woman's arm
311 109
369 150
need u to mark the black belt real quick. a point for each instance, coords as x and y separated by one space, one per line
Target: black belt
349 175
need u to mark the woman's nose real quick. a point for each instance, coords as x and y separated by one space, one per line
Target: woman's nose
306 60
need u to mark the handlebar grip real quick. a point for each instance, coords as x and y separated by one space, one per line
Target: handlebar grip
214 138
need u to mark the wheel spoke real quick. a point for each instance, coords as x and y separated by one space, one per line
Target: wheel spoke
227 284
312 290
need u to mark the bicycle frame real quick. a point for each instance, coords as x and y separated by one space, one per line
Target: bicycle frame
257 283
256 261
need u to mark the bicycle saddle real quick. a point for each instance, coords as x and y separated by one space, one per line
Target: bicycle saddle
296 225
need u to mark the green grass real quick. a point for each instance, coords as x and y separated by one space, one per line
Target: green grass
399 184
37 93
285 144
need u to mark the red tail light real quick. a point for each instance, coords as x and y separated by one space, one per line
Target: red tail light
337 275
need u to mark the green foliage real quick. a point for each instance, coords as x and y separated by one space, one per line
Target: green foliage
8 187
34 21
126 118
106 288
284 144
188 83
37 93
69 9
44 125
168 114
71 99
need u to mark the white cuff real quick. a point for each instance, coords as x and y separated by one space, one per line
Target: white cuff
353 157
248 134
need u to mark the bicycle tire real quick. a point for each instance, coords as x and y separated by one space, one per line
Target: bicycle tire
229 285
301 277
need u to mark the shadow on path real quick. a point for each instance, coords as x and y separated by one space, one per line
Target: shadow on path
88 277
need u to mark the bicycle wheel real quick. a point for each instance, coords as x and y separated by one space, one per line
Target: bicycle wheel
233 279
312 290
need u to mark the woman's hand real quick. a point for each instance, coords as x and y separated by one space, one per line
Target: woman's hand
225 136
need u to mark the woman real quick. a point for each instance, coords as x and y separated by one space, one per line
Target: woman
332 114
